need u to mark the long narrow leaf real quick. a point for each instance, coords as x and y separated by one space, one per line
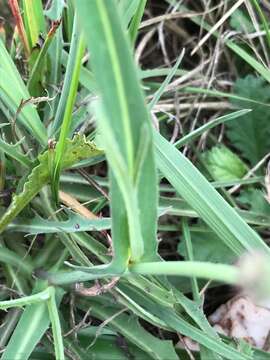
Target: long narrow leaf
13 91
207 202
125 117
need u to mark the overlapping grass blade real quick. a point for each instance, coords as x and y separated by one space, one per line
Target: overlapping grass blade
209 125
35 79
32 325
13 92
34 20
125 120
133 331
135 22
203 198
13 151
70 90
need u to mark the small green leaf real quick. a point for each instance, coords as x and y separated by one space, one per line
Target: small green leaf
223 164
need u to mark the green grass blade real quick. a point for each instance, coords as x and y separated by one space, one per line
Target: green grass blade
11 258
189 256
126 118
74 58
56 326
13 151
34 20
127 10
135 22
36 73
31 327
206 270
166 82
42 296
264 20
216 93
133 331
176 322
13 91
204 199
65 126
256 65
209 125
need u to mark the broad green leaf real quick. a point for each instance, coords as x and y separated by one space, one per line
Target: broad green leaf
207 247
255 200
223 164
76 150
251 134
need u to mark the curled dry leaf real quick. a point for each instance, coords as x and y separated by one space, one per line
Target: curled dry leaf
240 318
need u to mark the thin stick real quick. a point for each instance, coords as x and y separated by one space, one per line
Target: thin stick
217 25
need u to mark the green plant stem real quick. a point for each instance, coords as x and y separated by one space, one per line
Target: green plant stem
56 326
189 254
32 299
218 272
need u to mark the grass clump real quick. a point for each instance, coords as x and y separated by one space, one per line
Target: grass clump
127 164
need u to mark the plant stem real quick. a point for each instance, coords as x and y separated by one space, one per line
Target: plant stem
218 272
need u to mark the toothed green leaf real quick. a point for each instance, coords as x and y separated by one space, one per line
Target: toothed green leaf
77 149
251 134
223 164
